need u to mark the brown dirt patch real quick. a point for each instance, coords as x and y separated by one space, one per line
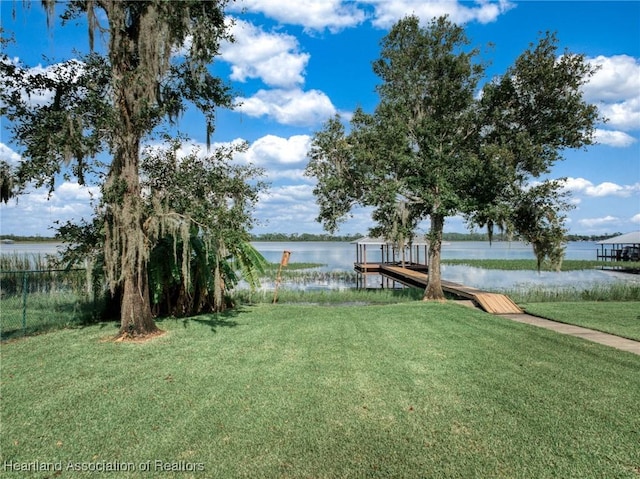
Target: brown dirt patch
130 338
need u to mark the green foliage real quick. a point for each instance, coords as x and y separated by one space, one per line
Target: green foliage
433 148
353 297
537 218
304 237
199 209
112 103
67 131
529 115
406 159
330 161
25 262
622 291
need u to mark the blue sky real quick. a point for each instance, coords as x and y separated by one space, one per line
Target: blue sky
295 64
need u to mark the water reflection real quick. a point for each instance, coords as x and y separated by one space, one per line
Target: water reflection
492 280
335 256
497 280
340 256
577 250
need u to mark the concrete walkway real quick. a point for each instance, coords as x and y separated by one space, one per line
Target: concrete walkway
589 334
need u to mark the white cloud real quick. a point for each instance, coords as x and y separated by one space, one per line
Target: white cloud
624 115
636 218
34 213
8 155
288 208
387 12
289 193
618 78
335 15
581 185
71 191
293 174
272 57
617 139
289 107
281 158
615 88
576 184
317 15
275 150
598 222
608 189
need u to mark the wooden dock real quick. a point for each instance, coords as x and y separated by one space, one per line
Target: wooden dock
493 303
373 267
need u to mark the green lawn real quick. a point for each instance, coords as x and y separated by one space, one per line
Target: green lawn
399 391
619 318
44 311
531 264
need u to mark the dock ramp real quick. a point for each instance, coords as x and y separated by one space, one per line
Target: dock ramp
493 303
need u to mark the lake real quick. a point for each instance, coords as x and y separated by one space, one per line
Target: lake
339 256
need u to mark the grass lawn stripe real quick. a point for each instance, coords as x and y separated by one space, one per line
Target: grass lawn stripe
623 321
411 390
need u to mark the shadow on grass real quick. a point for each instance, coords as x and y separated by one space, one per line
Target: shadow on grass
44 317
225 319
35 330
88 317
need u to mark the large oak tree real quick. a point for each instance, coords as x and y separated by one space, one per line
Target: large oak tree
157 61
437 145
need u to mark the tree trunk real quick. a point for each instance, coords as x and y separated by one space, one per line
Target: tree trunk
135 312
126 245
126 248
433 291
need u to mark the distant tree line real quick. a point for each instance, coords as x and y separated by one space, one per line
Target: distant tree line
472 236
33 239
304 237
571 237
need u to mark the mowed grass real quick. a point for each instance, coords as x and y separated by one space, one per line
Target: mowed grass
400 391
619 318
44 311
532 265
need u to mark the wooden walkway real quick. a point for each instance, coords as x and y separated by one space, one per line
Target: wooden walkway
490 302
375 267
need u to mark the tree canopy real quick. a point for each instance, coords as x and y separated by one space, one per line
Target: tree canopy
157 62
437 145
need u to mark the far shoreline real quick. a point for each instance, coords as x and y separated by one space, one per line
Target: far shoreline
323 237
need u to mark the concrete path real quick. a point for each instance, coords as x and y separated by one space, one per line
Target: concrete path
584 333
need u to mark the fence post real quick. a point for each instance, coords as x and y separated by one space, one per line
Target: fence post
24 303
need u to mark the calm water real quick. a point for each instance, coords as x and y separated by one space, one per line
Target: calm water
339 256
30 248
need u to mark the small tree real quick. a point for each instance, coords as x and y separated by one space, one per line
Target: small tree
210 201
111 103
433 149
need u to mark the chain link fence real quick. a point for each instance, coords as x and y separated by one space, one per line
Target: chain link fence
37 300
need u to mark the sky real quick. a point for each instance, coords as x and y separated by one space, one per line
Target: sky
295 64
